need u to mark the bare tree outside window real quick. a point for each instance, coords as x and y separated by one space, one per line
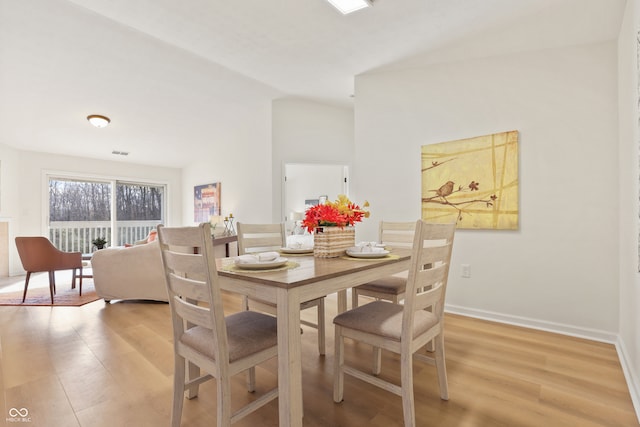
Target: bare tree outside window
79 200
137 202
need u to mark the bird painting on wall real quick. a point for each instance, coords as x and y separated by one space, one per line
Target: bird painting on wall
451 175
445 190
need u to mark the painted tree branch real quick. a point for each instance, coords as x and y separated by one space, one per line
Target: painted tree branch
447 189
436 163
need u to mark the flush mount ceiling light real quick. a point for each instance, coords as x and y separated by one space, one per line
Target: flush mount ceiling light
348 6
98 121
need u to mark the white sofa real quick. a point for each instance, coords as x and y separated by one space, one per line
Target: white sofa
133 273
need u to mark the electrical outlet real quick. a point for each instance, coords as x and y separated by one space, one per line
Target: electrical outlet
466 271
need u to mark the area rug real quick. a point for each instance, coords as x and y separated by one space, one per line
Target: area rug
39 296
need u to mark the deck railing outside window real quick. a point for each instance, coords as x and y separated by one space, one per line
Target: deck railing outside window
71 236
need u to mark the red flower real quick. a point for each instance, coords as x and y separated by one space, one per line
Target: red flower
340 213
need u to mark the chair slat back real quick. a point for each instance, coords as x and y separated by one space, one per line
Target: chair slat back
254 238
398 234
189 312
189 288
430 288
192 278
429 272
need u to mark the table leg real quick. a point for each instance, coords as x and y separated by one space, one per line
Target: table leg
289 358
342 301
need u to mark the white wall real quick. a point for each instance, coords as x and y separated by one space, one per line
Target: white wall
23 189
560 270
10 200
248 163
240 161
308 132
628 93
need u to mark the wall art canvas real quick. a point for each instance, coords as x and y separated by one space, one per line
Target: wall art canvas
206 202
472 181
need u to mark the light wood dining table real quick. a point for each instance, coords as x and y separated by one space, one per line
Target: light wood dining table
312 278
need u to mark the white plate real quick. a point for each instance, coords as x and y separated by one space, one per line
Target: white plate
359 254
278 262
296 250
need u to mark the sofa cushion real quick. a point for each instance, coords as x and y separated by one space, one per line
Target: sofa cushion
131 273
152 236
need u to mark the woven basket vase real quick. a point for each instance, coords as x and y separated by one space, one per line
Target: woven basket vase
332 242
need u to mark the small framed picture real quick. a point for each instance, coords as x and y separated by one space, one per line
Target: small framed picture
206 202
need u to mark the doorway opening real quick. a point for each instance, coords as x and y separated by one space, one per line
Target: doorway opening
307 184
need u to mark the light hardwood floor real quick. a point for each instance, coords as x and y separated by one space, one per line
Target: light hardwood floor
111 365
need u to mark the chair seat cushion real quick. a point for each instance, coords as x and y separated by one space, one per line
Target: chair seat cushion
384 319
392 285
248 332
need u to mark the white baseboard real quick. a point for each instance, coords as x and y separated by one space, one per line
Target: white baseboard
543 325
633 382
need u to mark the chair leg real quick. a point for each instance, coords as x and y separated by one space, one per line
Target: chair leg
338 364
74 280
354 298
178 390
406 379
193 372
73 277
377 360
321 328
441 366
251 379
52 279
52 284
224 401
430 347
245 302
26 285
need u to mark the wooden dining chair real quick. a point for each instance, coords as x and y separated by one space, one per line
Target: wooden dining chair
403 328
202 336
253 238
38 254
389 288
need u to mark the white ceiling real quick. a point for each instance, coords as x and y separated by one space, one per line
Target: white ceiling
175 75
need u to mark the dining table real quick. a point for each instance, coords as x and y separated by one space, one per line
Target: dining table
303 278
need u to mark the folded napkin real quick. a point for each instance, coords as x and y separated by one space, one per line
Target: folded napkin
367 249
300 241
299 245
364 244
256 258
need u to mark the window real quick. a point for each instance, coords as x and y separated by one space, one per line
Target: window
81 210
139 207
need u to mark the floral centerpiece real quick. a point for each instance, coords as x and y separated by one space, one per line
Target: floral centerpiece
332 225
341 213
